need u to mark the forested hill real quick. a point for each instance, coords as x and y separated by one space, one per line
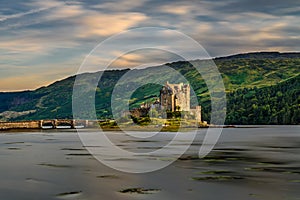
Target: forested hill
262 88
278 104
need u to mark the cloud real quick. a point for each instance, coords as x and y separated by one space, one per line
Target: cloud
18 83
23 14
18 45
41 36
65 12
140 58
275 7
25 78
31 12
144 58
177 10
107 24
119 6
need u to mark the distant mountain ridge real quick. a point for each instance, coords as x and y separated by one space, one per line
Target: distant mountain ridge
261 55
262 88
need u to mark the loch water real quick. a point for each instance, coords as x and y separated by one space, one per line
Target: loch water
257 162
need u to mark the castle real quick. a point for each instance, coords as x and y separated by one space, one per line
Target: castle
173 97
176 97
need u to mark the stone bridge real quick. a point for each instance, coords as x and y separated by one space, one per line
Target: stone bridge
49 124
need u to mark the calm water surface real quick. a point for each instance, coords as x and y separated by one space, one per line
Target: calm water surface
247 163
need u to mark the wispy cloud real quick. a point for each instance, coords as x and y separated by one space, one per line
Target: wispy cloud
177 10
119 5
34 7
107 24
23 14
39 37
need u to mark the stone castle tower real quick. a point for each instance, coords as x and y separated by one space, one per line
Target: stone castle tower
175 97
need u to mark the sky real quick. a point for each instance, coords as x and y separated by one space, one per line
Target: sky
44 41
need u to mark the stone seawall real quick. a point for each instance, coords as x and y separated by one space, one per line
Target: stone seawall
54 123
20 125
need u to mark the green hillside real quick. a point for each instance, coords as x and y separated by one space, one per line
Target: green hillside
278 104
262 88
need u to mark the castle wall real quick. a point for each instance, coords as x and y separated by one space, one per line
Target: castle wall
197 113
173 96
